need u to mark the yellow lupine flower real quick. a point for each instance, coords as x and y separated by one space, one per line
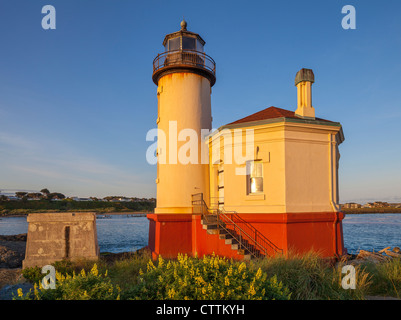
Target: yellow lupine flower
226 281
171 293
20 293
252 290
241 267
94 270
35 291
258 274
85 295
161 261
150 266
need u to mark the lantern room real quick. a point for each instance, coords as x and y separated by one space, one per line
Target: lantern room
183 40
184 52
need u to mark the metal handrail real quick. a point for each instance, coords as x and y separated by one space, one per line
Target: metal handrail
184 57
240 235
252 244
259 240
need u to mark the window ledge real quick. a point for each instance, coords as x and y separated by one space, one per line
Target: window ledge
256 196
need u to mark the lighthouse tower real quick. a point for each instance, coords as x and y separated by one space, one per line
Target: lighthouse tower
184 75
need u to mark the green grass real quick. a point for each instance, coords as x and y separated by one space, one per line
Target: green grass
385 278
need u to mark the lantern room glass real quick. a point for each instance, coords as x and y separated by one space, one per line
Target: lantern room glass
184 43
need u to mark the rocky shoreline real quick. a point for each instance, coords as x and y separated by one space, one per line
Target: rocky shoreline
12 252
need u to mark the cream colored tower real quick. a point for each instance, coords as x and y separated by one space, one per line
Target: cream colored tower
184 75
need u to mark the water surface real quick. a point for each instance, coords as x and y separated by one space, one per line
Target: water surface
120 233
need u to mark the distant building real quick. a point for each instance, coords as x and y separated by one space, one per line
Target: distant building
380 204
80 199
376 204
368 205
351 205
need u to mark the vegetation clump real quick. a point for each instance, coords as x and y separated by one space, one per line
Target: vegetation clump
138 277
209 278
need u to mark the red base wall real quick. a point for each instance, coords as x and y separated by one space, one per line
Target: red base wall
170 234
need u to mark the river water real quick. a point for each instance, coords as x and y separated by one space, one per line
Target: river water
122 233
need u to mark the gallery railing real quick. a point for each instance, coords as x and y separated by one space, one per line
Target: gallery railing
184 57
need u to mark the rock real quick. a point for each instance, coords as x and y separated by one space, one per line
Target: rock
11 257
10 291
16 237
396 250
371 256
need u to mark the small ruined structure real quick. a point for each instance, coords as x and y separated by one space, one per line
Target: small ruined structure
60 236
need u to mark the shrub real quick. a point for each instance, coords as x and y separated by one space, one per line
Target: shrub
84 286
203 279
33 274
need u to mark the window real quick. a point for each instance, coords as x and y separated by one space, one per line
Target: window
254 177
188 43
174 44
199 46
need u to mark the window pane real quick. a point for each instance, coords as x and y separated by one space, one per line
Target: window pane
254 177
256 184
258 169
174 44
199 46
188 43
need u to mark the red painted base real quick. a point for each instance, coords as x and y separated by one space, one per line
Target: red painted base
170 234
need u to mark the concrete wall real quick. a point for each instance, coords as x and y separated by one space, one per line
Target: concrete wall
57 236
300 169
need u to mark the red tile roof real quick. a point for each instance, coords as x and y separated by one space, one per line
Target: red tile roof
270 113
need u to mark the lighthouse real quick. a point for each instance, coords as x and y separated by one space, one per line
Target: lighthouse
281 197
184 75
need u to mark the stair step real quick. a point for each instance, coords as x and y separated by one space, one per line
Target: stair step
210 226
206 222
225 236
213 225
231 241
212 231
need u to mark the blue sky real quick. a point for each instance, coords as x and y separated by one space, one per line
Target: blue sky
76 102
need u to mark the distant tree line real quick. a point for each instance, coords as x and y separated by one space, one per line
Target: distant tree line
44 202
